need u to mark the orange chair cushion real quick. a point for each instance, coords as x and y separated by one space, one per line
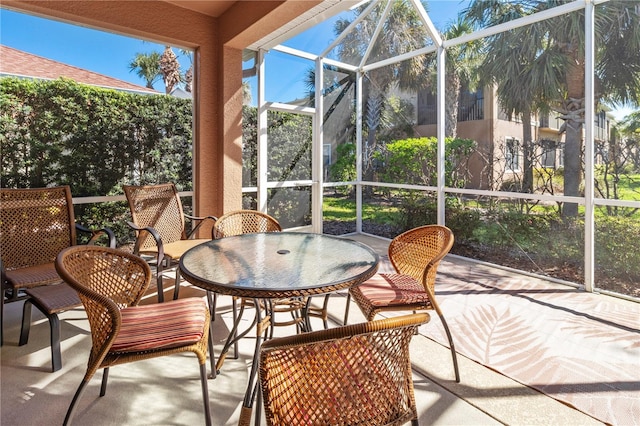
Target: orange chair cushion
387 290
176 249
161 325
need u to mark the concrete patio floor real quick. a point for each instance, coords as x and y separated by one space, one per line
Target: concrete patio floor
166 391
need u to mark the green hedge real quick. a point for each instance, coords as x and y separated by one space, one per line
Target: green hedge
61 132
94 140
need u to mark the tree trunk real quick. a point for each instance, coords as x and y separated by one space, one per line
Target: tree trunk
527 152
572 165
573 112
373 117
452 92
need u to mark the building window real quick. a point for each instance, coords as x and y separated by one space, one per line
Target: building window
326 159
548 153
560 154
601 120
470 106
512 154
426 107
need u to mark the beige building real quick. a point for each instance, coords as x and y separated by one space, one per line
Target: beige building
498 162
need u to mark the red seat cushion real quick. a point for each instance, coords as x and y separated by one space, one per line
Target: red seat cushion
161 326
393 290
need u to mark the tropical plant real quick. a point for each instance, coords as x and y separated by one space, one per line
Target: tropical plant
147 67
558 67
509 65
413 161
187 77
401 31
462 62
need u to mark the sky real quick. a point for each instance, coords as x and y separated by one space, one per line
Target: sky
110 54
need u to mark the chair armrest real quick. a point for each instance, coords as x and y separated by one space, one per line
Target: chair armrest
201 221
151 230
97 233
2 278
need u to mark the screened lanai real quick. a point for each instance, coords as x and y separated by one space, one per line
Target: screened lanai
392 122
420 125
557 198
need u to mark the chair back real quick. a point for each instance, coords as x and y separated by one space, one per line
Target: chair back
244 222
418 252
356 374
35 225
157 206
106 280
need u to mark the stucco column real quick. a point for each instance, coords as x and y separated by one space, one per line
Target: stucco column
231 126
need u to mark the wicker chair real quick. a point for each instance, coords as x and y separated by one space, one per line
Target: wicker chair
159 222
35 225
415 255
240 222
110 284
355 374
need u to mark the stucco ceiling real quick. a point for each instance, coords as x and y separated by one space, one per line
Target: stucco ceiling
315 15
212 8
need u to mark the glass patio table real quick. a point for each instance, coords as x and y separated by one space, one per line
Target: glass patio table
275 265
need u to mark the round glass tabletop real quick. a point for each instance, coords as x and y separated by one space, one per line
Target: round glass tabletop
278 264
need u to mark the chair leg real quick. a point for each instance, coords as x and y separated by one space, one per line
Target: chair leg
76 397
2 312
212 355
14 296
26 322
56 356
54 326
346 310
176 287
325 311
212 300
234 303
205 393
105 377
453 349
159 269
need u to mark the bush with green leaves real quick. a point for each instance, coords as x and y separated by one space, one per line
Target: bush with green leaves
618 248
93 139
290 157
414 161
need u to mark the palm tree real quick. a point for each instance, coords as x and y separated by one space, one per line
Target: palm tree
170 69
402 32
246 93
556 71
508 64
187 77
462 63
147 67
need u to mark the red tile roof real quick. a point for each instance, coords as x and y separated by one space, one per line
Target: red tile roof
17 63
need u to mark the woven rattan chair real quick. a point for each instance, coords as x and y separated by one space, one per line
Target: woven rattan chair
244 222
110 284
159 221
415 255
35 225
355 374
